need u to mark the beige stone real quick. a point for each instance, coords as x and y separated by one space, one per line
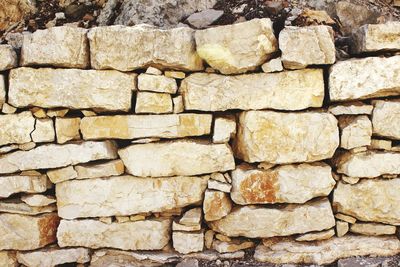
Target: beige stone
55 156
191 217
38 200
289 90
356 131
216 205
110 168
341 228
380 144
8 57
2 92
27 146
157 103
181 157
175 74
303 46
154 71
8 259
57 112
62 174
345 218
22 183
274 65
178 104
71 88
128 48
16 128
67 129
218 177
386 119
13 11
224 129
316 235
350 180
8 109
239 47
126 195
22 232
185 242
216 185
351 108
364 78
372 229
157 83
140 235
233 246
17 207
209 238
122 219
44 131
277 137
185 228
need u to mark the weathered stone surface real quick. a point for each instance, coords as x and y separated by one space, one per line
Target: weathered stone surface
341 228
231 246
16 128
224 129
71 88
216 205
372 229
38 200
181 157
157 103
191 217
253 44
204 18
44 131
373 200
22 183
364 78
111 168
316 236
274 65
8 57
8 259
19 207
386 119
54 156
140 235
327 251
67 129
345 218
294 90
380 144
356 131
157 83
143 126
303 46
62 174
128 48
53 256
277 137
283 184
21 232
126 195
64 46
185 242
351 108
370 261
13 11
2 92
261 222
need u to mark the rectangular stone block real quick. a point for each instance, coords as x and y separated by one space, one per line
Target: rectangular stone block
16 128
386 119
71 88
13 184
156 103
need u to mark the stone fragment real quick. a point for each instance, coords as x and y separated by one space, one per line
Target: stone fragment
178 104
27 146
49 257
356 131
292 90
224 129
351 108
209 238
157 103
8 259
223 187
140 235
350 180
55 156
345 218
67 129
380 144
148 46
372 261
232 246
64 46
316 236
45 87
110 168
218 177
122 219
62 174
126 195
303 46
14 11
181 157
57 112
202 19
2 92
191 217
279 138
22 183
8 109
341 228
364 78
16 128
175 74
185 228
44 131
253 44
22 232
157 83
8 57
216 205
372 229
38 200
154 71
186 242
274 65
18 207
386 119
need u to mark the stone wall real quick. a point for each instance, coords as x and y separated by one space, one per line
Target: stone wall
135 146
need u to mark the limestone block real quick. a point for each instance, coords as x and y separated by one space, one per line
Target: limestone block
38 200
342 228
67 129
386 119
356 131
216 205
16 206
157 83
372 229
8 57
186 242
224 129
16 128
316 236
351 108
110 168
13 184
157 103
44 131
62 174
274 65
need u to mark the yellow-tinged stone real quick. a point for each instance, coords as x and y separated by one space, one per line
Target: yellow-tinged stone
44 131
67 129
316 236
157 103
62 174
178 104
16 128
372 229
341 228
90 170
231 246
157 83
356 131
224 129
345 218
380 144
13 184
175 74
8 259
216 205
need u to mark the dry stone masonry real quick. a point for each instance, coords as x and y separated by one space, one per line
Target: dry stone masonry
139 146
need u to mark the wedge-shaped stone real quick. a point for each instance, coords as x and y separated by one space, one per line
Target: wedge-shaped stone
216 205
22 183
279 138
55 156
364 78
129 48
57 46
356 131
18 207
327 251
8 57
239 47
143 126
16 128
386 119
111 168
38 200
126 195
373 200
72 88
283 184
44 131
261 222
291 90
182 157
21 232
140 235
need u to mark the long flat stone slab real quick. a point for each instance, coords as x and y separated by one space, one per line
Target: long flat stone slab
12 184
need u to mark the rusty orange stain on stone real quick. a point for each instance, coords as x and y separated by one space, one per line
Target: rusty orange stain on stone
260 187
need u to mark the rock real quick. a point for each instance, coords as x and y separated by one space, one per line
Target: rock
8 57
107 12
21 232
180 157
274 65
172 49
192 217
372 229
253 44
104 90
157 83
283 184
216 205
316 236
372 261
55 156
143 126
67 129
303 46
153 71
38 200
17 207
327 251
64 46
61 175
351 108
22 183
263 222
8 109
157 103
110 168
178 104
380 144
175 74
345 218
386 119
216 185
280 138
16 128
185 228
364 78
294 90
44 131
355 200
53 256
233 246
2 92
57 112
202 19
341 228
188 262
14 11
8 259
127 195
356 131
186 242
224 129
140 235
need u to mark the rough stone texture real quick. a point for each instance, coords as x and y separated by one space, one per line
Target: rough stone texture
216 205
157 83
373 200
327 251
13 11
386 119
253 44
191 217
303 46
38 200
283 184
185 242
67 129
8 57
316 236
2 91
294 90
140 235
143 126
15 206
8 259
341 228
356 131
351 108
224 129
16 128
22 183
44 131
262 222
110 168
128 48
204 18
364 78
21 232
278 138
181 157
372 229
157 103
104 90
274 65
54 156
62 174
64 46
